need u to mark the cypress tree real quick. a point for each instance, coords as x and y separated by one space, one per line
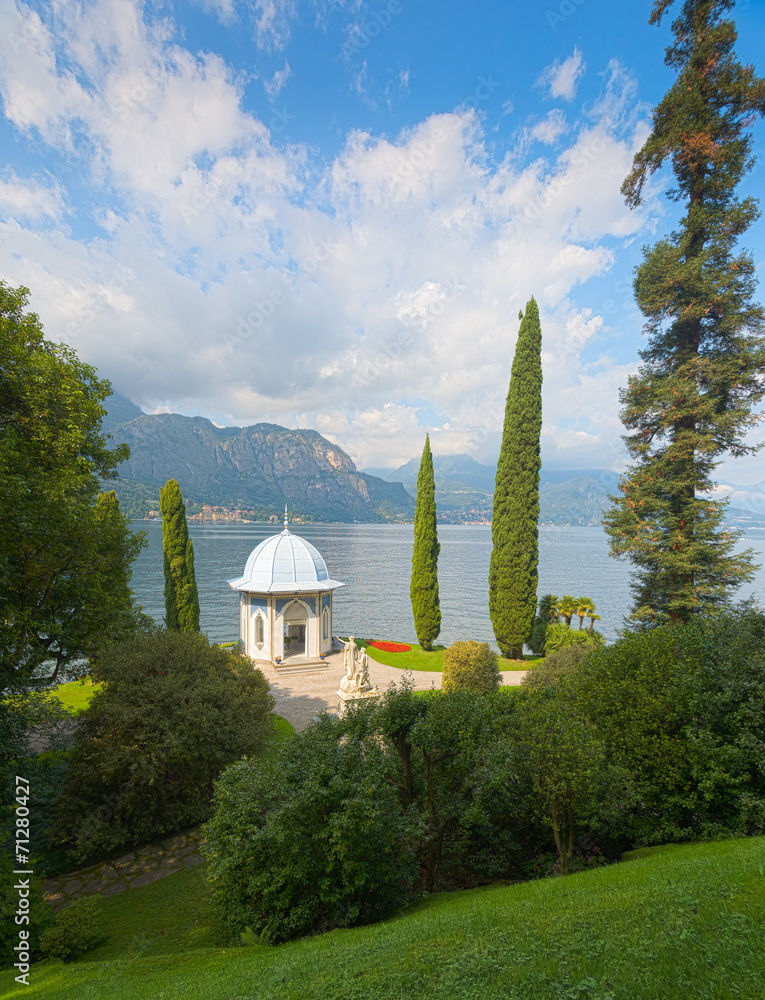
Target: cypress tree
424 587
181 597
692 399
513 568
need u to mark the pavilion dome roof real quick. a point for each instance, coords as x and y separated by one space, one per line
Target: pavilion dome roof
284 563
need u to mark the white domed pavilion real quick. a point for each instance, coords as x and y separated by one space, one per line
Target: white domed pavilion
285 602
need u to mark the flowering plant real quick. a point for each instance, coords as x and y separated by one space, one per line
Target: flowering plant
391 647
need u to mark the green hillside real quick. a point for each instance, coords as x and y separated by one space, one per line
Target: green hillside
671 923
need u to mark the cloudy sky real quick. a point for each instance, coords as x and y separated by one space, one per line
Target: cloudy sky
327 213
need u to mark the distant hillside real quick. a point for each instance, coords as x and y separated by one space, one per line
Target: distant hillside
257 469
464 491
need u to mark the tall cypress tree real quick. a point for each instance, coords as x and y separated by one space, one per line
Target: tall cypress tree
692 398
513 568
181 597
424 587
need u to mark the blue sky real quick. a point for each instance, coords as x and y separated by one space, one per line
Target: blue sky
328 214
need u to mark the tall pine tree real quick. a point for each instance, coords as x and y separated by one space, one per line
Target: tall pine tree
181 597
693 397
515 553
424 587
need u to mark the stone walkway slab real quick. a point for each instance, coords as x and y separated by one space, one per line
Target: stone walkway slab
136 868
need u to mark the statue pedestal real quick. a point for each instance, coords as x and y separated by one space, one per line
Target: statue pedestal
346 698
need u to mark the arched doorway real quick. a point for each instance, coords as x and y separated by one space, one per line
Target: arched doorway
295 627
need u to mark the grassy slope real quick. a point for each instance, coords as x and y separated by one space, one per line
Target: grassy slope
674 923
75 695
420 659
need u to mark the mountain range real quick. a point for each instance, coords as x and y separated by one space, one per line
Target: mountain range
465 488
256 470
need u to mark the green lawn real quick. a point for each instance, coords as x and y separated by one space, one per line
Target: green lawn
420 659
672 923
75 695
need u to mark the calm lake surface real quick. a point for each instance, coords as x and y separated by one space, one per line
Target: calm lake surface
375 561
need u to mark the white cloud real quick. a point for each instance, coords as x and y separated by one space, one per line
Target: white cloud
278 81
29 199
561 79
273 22
373 298
224 10
550 128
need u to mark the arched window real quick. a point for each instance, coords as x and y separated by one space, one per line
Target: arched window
325 624
259 630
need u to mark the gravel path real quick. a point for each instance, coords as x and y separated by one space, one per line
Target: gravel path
300 697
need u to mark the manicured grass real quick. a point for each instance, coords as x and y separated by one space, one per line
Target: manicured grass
673 923
284 730
75 695
420 659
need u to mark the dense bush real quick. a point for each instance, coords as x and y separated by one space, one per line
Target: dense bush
39 913
357 815
682 708
558 636
75 930
174 711
556 665
575 786
470 666
312 840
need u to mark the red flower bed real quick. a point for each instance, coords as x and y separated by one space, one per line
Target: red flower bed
391 647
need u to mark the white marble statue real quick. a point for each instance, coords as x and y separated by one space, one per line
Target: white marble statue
356 664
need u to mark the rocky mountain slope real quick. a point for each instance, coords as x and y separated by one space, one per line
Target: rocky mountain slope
256 468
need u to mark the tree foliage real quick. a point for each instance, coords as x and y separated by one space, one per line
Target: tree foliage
181 596
174 711
693 398
567 763
65 550
470 666
513 568
356 815
682 709
424 586
310 841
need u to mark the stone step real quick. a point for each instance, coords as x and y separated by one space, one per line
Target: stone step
301 667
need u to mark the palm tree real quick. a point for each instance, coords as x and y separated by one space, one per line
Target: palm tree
548 608
593 618
584 607
567 606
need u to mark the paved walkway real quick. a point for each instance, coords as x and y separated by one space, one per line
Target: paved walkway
148 864
300 697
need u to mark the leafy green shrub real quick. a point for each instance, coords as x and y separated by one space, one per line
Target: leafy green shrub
683 709
174 711
311 840
556 665
39 913
558 635
470 666
75 930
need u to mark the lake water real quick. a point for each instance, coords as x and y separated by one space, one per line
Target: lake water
375 561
